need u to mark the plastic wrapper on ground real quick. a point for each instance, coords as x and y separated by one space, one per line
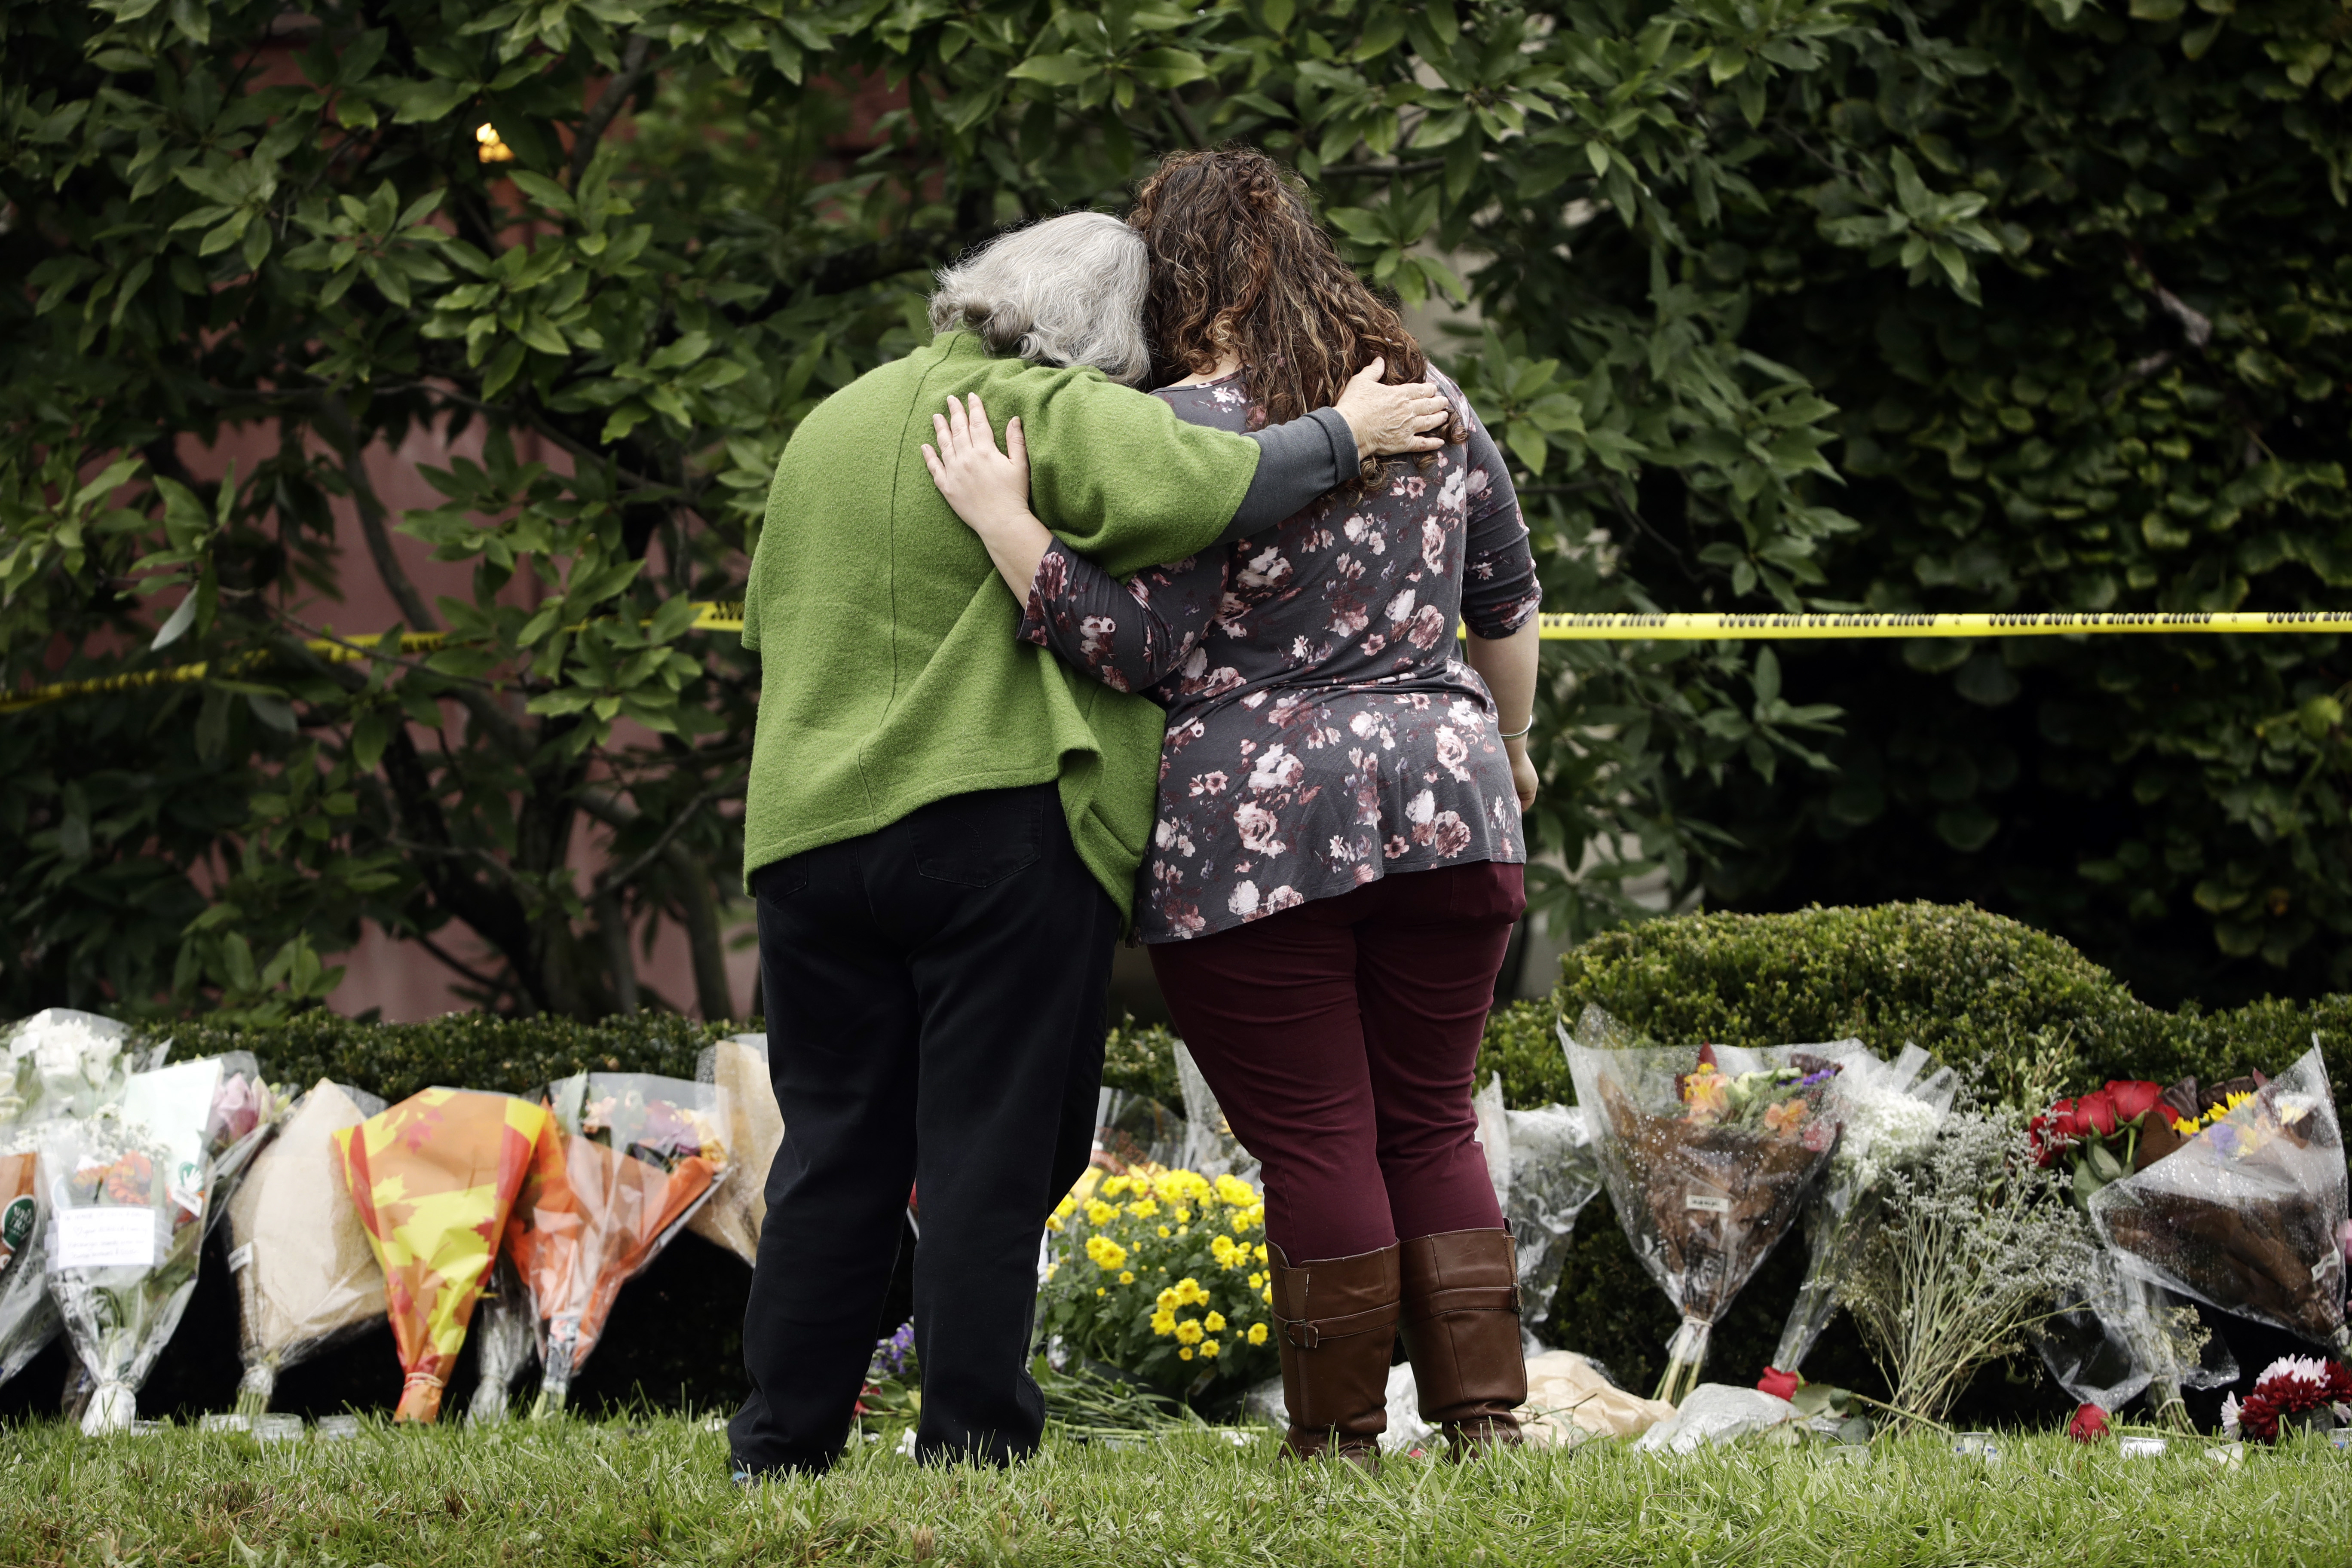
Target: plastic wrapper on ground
1888 1113
1402 1400
1716 1413
433 1179
1208 1146
737 1068
633 1155
1705 1186
307 1275
1571 1401
2248 1214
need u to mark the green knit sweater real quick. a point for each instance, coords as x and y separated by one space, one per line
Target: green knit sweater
891 675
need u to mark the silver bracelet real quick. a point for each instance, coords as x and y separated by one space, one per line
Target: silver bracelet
1518 734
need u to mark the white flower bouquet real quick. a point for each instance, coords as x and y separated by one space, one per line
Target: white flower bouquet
1890 1111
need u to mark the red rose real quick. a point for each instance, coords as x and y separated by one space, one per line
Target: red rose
2090 1425
2132 1097
2097 1110
1777 1383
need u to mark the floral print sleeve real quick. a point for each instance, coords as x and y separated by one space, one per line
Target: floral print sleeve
1131 634
1499 590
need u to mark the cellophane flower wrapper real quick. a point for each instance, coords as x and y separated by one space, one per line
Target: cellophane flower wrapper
1546 1168
123 1249
28 1316
1888 1113
1211 1148
433 1179
2248 1214
634 1156
1703 1202
2118 1334
737 1068
504 1345
307 1275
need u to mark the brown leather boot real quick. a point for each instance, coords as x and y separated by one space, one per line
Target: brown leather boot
1462 1330
1336 1321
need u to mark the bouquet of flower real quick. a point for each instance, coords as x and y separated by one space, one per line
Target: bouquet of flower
1157 1274
2294 1390
61 1062
28 1317
633 1157
2118 1334
1890 1112
433 1179
307 1277
124 1244
2249 1214
1708 1156
737 1068
212 1115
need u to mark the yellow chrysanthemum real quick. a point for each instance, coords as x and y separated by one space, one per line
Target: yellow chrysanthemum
1222 1249
1066 1208
1214 1322
1188 1292
1143 1208
1163 1324
1116 1187
1260 1250
1184 1354
1255 1279
1108 1255
1168 1300
1128 1278
1099 1213
1189 1332
1257 1333
1267 1292
1054 1222
1101 1290
1164 1233
1209 1350
1236 1190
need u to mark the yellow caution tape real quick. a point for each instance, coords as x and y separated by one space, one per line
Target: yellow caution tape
726 616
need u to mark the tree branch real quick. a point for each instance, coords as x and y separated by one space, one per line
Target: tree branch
636 60
1414 167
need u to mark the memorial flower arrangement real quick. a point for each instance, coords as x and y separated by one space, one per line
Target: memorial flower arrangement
2292 1387
1708 1156
1165 1275
2118 1332
1890 1111
433 1179
2248 1214
632 1158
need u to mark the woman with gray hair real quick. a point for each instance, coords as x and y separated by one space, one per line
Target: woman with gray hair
942 825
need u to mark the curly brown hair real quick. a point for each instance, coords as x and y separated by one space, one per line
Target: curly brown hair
1238 262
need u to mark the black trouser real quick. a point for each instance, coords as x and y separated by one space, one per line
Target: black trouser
935 996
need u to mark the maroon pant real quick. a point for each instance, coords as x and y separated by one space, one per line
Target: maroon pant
1340 1039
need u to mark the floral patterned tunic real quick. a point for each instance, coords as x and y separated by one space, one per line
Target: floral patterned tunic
1322 728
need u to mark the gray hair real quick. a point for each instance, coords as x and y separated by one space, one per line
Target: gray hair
1065 291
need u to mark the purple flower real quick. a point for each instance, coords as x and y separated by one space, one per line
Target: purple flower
891 1355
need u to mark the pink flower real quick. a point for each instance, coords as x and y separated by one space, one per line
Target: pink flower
1258 829
1449 835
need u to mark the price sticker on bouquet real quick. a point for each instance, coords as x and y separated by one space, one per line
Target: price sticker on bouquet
107 1235
1706 1200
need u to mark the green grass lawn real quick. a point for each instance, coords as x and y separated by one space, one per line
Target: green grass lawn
573 1492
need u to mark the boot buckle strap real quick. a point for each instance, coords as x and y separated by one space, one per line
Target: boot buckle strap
1306 1333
